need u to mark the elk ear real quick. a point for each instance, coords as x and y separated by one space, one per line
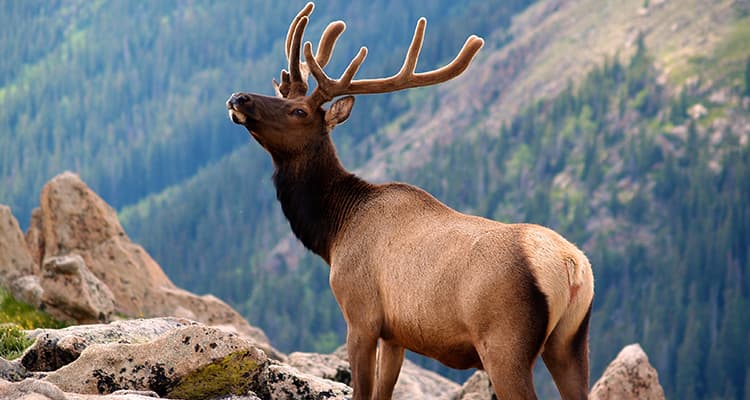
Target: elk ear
339 112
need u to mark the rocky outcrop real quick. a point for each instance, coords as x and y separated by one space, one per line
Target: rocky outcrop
91 271
170 358
55 348
15 260
193 362
63 275
629 376
477 387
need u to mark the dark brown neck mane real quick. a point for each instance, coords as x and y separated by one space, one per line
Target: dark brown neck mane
318 195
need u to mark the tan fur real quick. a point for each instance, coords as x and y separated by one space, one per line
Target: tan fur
435 281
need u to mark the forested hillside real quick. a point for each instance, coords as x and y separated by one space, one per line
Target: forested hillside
131 94
637 150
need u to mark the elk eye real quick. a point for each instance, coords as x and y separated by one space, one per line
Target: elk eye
298 112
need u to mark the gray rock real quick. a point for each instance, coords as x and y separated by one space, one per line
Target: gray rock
28 290
72 292
191 362
327 366
15 259
283 382
30 389
12 371
248 396
54 348
477 387
629 376
35 389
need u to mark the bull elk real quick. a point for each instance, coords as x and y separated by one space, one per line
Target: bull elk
407 271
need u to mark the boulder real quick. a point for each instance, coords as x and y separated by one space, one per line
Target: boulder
190 362
28 290
30 389
12 371
72 219
55 348
327 366
477 387
283 382
72 292
15 259
35 389
414 382
629 376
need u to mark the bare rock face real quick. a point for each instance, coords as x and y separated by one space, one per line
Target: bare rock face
30 389
193 362
477 387
282 382
55 348
34 389
73 219
15 260
28 289
169 358
629 376
413 382
12 371
64 275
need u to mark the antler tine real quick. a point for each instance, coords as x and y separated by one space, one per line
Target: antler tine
325 49
412 55
328 41
327 87
294 69
406 77
304 12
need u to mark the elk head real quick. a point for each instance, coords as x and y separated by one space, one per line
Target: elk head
291 122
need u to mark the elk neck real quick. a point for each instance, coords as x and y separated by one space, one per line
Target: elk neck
318 196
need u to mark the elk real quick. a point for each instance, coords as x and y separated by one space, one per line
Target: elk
407 271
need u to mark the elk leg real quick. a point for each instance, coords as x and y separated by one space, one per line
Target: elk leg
566 356
361 348
508 357
390 357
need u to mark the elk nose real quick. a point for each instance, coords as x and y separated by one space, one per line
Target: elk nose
237 99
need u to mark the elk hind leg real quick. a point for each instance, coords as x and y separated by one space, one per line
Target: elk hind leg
566 356
508 358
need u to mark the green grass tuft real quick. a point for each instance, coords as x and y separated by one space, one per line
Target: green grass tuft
13 341
24 315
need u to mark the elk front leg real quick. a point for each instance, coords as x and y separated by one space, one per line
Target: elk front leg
390 357
361 347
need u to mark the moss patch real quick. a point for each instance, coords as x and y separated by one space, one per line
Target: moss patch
231 375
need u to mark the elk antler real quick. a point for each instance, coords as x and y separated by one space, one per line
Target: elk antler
296 78
406 78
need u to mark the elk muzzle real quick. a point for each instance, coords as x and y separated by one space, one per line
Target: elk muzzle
241 108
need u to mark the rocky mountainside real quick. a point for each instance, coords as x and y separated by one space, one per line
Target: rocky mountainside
188 347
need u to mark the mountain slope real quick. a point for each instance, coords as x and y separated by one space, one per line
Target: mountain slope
620 124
